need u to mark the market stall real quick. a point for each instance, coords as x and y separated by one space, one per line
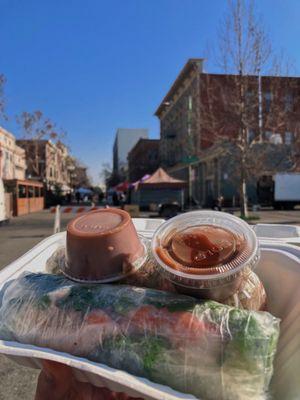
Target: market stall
28 196
159 188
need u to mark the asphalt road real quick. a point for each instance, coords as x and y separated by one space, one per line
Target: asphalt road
20 235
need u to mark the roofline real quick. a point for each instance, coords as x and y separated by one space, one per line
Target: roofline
140 140
34 140
3 130
28 182
42 141
252 76
190 64
19 148
130 129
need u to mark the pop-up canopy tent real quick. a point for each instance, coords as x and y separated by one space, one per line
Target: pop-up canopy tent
83 191
159 188
135 185
122 187
161 179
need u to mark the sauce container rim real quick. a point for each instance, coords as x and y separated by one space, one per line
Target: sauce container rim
86 235
137 264
217 219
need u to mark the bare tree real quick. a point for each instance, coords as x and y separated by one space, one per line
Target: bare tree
106 172
35 128
2 97
111 177
79 175
245 52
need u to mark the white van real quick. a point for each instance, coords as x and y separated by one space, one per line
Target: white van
286 191
3 216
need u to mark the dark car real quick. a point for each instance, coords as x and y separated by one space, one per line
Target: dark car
169 210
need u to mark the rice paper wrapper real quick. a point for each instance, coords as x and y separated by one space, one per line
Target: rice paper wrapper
210 350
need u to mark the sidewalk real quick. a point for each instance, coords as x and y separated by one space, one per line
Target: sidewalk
22 233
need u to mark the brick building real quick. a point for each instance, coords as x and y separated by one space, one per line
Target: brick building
198 114
47 162
143 159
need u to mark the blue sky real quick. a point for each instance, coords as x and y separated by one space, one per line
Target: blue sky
93 66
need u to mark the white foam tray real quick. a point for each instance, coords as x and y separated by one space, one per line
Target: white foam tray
277 231
279 270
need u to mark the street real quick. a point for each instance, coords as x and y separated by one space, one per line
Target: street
24 232
20 235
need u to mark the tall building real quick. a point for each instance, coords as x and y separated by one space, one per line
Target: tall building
200 111
124 142
12 157
143 159
179 115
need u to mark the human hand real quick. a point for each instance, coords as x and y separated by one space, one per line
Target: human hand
57 382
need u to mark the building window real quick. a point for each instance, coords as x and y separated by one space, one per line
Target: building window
268 135
288 102
170 136
37 192
250 136
276 138
190 103
268 100
51 172
288 138
22 191
30 191
249 98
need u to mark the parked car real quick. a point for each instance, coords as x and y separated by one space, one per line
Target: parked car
169 210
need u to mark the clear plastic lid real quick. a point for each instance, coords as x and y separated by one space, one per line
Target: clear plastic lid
206 245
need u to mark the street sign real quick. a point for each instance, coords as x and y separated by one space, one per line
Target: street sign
190 159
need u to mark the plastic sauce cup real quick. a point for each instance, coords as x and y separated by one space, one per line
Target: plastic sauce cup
204 253
103 246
